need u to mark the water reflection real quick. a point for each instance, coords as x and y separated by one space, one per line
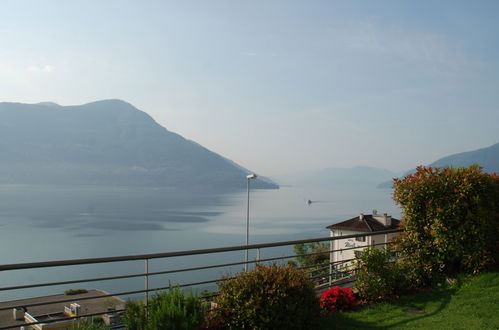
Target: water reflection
54 223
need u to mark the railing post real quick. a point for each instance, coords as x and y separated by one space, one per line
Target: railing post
257 256
146 282
331 262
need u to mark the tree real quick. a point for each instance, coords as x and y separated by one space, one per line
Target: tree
313 258
451 221
312 254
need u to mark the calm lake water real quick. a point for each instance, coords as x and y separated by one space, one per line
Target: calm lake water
42 223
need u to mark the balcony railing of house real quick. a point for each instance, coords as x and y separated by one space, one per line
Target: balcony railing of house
323 274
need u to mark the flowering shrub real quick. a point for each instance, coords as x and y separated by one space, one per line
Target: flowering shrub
337 299
450 217
268 297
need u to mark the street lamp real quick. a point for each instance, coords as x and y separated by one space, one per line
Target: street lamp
248 177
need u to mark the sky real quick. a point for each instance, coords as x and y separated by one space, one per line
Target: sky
276 86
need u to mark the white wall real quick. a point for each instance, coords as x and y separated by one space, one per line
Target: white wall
352 242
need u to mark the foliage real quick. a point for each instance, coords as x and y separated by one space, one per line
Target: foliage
269 297
135 315
377 277
320 253
214 321
74 291
451 221
170 309
337 299
312 257
470 305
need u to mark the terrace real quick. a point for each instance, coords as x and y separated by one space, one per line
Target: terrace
324 275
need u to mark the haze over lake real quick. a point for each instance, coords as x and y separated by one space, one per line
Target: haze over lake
41 223
130 127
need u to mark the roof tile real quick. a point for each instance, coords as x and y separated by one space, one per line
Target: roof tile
367 224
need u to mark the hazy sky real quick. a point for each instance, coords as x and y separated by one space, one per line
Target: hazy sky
276 86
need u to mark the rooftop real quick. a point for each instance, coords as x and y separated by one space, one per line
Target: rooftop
87 306
367 223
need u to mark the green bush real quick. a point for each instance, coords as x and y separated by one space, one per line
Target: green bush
135 315
170 309
451 221
377 276
74 291
269 297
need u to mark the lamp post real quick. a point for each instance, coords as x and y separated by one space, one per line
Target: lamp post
248 177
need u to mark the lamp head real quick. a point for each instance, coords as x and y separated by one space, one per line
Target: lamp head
251 176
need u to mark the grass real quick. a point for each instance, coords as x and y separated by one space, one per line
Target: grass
471 303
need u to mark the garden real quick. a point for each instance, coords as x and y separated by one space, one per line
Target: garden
446 275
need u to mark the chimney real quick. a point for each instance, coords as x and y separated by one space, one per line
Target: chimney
387 219
361 216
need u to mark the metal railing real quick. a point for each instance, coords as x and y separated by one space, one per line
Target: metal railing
324 274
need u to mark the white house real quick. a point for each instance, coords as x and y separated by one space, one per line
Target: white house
364 223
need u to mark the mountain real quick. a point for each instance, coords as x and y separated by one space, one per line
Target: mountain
488 158
106 142
360 176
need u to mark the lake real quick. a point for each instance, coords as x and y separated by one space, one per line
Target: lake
42 223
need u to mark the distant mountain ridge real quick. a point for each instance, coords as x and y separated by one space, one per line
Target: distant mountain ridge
106 142
359 176
488 158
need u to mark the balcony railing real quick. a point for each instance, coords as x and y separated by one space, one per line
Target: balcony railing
324 275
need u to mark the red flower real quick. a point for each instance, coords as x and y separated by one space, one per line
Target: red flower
337 299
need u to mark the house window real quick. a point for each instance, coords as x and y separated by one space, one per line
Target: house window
360 239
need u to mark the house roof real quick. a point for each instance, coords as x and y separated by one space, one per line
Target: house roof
364 223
